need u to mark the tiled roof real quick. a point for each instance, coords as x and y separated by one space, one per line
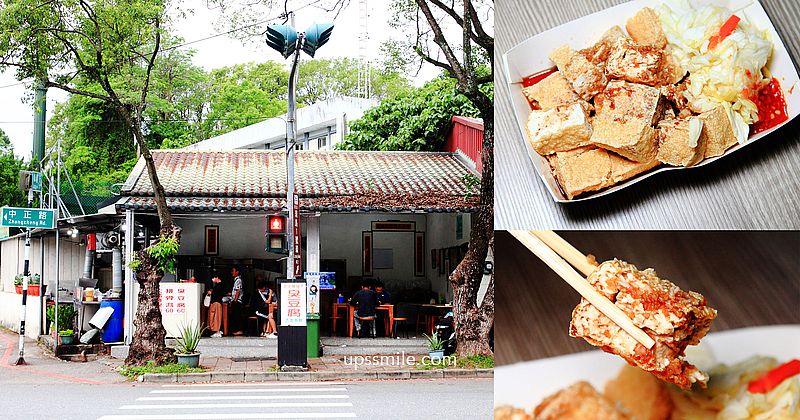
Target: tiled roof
324 181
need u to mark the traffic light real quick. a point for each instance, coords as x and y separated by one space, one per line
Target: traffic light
276 233
282 38
316 36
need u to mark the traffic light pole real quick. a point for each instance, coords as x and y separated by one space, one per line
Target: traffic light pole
291 138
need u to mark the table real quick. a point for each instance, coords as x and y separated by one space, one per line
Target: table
436 311
750 278
351 315
756 188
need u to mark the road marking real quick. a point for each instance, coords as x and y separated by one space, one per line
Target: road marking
244 397
244 390
203 416
285 383
231 405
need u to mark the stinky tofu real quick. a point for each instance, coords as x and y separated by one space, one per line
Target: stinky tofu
587 79
598 53
562 128
579 401
673 318
550 92
645 28
718 130
635 63
681 142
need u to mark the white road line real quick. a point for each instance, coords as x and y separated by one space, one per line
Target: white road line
232 405
201 416
244 397
243 390
284 383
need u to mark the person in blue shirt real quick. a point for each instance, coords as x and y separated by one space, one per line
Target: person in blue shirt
384 298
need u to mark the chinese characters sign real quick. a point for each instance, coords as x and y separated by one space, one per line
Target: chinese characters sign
28 218
172 300
293 304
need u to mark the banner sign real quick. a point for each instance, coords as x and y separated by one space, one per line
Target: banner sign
293 304
312 281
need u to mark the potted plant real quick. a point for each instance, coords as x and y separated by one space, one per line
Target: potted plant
186 345
67 337
66 314
435 346
33 285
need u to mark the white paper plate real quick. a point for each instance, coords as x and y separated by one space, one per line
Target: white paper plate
530 57
526 384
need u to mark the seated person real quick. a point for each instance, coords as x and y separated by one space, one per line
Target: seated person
217 292
260 305
365 301
384 298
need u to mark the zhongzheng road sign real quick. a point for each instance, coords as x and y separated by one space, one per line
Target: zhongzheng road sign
28 218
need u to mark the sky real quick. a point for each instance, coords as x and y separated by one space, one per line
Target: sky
16 117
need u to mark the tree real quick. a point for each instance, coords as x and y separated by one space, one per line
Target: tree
114 45
10 194
416 119
325 78
473 320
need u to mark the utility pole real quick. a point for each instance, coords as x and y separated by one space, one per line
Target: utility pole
291 138
26 277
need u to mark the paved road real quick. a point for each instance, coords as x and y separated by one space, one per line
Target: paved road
458 398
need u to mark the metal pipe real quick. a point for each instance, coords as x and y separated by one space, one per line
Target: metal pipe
129 280
26 274
116 266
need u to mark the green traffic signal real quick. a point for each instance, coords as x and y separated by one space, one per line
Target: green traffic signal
316 36
282 38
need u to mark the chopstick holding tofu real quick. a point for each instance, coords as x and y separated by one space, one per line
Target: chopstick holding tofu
646 320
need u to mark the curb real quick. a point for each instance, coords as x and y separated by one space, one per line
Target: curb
314 376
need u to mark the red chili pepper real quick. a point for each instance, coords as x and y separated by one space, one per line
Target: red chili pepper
773 378
726 29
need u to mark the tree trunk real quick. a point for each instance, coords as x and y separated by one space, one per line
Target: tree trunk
149 339
474 320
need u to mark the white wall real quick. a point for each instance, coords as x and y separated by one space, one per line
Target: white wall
441 233
240 235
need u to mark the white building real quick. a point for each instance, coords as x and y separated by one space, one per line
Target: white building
319 127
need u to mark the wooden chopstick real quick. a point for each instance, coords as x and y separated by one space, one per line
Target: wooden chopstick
563 269
566 251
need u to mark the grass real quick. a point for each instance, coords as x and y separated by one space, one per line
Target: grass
131 372
273 369
469 362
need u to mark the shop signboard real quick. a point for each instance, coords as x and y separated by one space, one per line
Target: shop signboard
293 304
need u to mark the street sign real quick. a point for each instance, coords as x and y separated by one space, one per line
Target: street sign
28 218
36 181
30 180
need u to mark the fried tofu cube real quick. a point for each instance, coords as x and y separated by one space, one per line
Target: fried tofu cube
598 53
579 401
635 63
581 170
681 142
622 169
718 130
507 412
592 168
562 128
641 394
587 79
626 101
552 91
673 318
625 115
634 139
645 28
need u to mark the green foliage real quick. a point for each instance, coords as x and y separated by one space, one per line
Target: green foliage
434 342
164 252
413 120
10 194
478 361
472 183
189 338
132 372
66 333
66 313
135 263
35 279
324 78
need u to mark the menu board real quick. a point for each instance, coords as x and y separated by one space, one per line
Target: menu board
172 299
293 304
180 305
